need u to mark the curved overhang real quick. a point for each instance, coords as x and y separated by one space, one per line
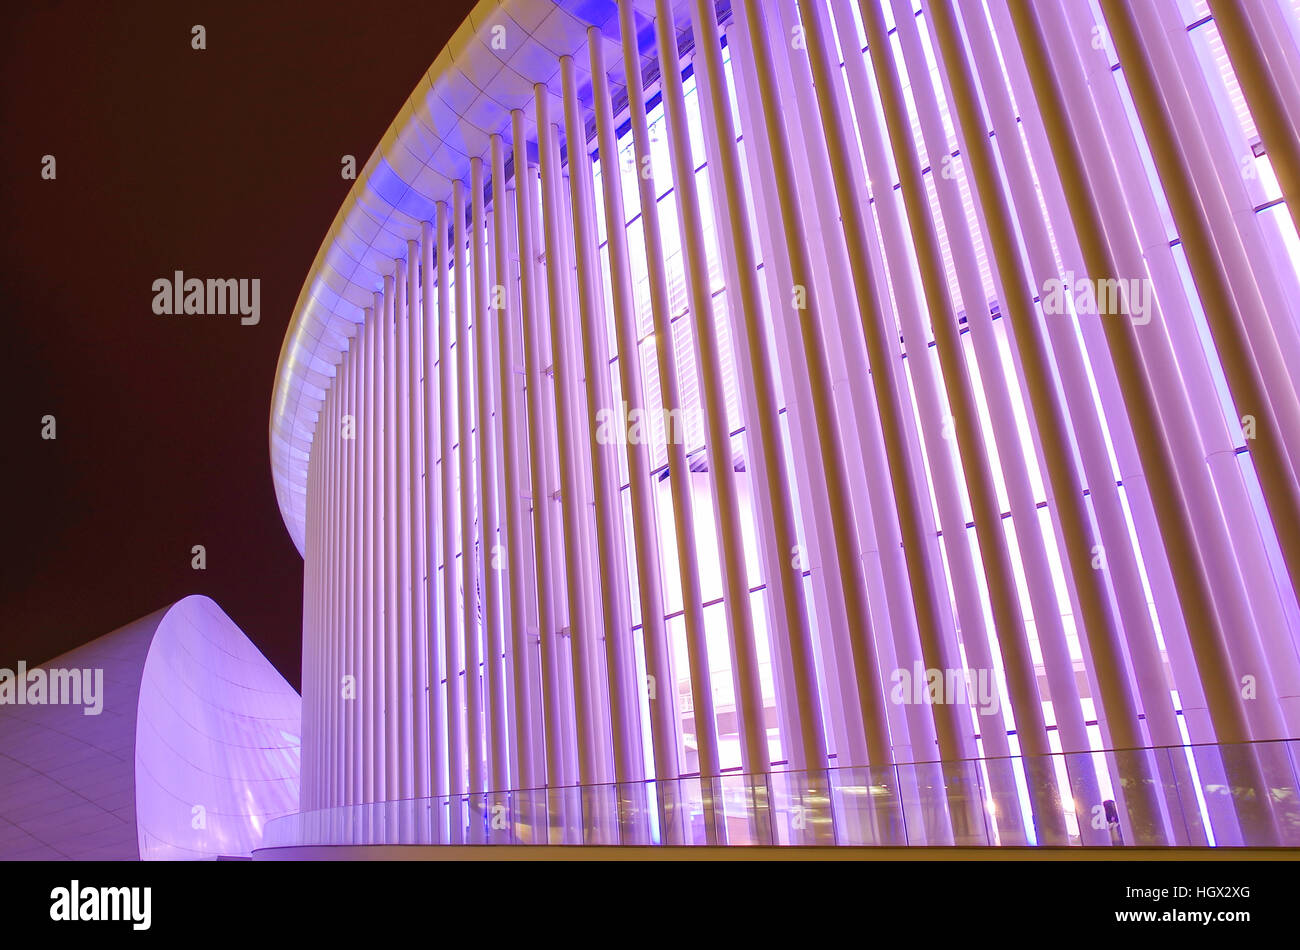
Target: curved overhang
465 98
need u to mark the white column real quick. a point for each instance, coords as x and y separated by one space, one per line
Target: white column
374 562
662 691
419 749
610 573
309 741
391 630
469 527
401 533
511 426
486 464
332 612
548 591
451 640
354 574
436 728
565 377
347 436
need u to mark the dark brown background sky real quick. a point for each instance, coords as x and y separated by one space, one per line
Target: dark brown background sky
220 163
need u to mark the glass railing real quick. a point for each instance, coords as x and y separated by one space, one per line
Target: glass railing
1245 794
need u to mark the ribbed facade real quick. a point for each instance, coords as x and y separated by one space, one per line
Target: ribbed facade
810 422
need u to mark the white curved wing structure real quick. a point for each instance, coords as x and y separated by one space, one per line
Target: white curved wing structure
216 753
192 746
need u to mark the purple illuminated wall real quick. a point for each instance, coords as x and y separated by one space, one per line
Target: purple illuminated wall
678 394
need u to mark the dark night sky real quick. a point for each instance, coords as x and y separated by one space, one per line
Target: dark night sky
220 163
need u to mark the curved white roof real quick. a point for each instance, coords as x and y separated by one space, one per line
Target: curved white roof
466 96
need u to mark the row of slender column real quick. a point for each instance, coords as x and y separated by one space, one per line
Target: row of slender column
485 609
